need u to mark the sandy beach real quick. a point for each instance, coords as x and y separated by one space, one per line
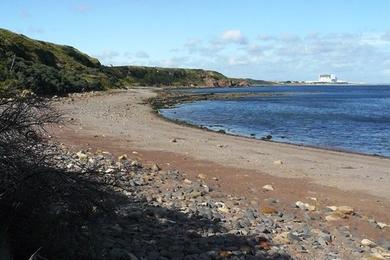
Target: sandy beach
123 123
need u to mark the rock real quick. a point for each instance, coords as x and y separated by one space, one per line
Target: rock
268 210
266 138
279 162
250 214
123 157
195 194
332 208
281 238
155 167
174 140
325 237
202 176
135 163
333 217
110 170
305 206
345 210
187 181
82 156
381 225
225 254
367 242
375 256
221 207
293 236
268 187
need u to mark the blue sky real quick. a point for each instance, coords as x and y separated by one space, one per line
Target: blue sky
263 39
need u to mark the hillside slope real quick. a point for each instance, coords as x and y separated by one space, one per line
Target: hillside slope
177 77
48 68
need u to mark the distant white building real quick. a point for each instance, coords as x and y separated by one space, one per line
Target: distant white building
327 78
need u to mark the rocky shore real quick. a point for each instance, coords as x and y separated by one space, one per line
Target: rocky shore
162 214
217 200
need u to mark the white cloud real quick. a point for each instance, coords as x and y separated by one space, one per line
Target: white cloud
108 57
238 60
386 36
355 57
234 36
386 72
265 37
141 55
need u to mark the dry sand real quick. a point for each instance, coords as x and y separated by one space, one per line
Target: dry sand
121 122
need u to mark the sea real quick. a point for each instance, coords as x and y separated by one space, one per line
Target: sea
351 118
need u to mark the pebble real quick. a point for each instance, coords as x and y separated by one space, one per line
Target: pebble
367 242
122 157
187 181
268 210
82 156
381 225
268 187
135 163
202 176
305 206
345 210
333 217
332 208
155 167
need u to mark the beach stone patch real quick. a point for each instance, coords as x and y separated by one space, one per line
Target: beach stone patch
164 215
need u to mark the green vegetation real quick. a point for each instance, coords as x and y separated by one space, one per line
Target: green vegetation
47 69
146 76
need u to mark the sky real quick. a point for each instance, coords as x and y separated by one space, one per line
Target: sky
261 39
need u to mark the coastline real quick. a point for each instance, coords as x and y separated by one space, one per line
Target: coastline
123 123
167 98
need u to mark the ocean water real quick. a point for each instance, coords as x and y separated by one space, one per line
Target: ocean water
348 118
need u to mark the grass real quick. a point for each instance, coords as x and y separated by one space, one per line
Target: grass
47 68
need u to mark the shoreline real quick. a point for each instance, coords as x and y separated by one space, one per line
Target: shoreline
158 103
184 123
121 122
206 133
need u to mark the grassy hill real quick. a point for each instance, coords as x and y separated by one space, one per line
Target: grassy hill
176 77
47 68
